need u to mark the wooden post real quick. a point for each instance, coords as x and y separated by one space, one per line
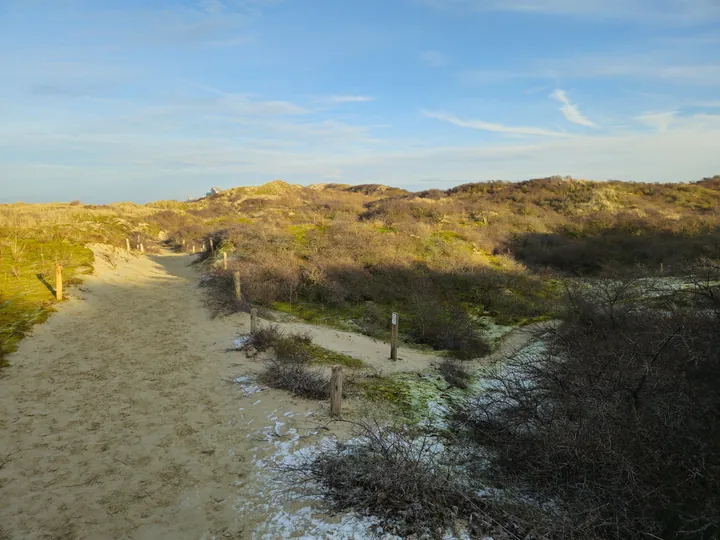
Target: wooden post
58 282
203 248
236 281
212 246
225 259
336 384
142 248
253 320
127 242
193 249
394 342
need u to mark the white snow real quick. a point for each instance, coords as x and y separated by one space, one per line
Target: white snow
247 386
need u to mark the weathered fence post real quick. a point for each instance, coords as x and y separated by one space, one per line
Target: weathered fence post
336 384
236 282
203 248
212 246
58 282
142 248
225 259
253 320
193 249
127 242
394 340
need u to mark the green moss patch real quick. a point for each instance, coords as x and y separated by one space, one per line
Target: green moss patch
412 394
325 357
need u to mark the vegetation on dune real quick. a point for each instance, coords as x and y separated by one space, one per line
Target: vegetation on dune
297 348
291 364
605 428
446 261
33 238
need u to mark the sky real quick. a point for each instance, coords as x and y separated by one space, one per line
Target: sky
108 100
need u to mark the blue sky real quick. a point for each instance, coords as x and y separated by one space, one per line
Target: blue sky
139 100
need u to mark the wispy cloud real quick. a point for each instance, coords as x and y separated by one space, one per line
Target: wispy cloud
495 128
200 23
212 7
434 59
349 99
651 66
638 66
660 121
144 166
668 10
245 105
570 110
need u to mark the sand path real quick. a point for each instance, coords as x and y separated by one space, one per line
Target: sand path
119 417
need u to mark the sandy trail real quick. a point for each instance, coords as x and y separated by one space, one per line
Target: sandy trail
120 418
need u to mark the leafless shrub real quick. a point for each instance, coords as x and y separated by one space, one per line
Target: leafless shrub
448 327
263 339
288 369
402 477
615 417
287 347
221 298
454 373
297 378
705 280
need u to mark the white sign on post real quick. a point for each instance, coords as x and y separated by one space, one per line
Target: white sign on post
394 318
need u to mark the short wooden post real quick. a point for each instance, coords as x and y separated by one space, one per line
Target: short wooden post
193 249
212 246
138 247
127 242
236 282
336 384
225 259
203 248
142 248
394 341
253 320
58 282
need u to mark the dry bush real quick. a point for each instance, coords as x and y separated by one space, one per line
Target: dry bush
221 298
615 418
288 369
455 373
263 339
403 478
296 378
446 327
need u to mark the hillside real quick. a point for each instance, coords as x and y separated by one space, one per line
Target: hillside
353 253
557 341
